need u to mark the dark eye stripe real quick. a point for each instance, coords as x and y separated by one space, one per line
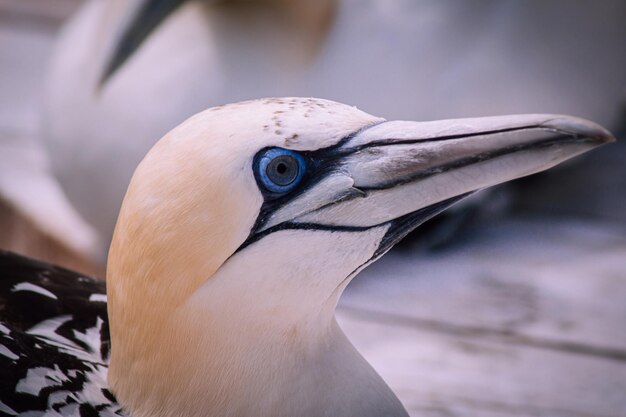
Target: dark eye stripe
318 164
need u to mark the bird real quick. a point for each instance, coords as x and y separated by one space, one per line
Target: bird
126 72
237 235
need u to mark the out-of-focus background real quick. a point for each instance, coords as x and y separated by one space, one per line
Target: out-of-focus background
513 304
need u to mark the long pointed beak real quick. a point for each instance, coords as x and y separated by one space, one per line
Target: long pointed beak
405 166
406 172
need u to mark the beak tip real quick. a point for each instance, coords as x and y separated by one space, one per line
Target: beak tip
581 128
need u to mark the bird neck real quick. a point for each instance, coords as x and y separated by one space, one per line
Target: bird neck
236 354
199 365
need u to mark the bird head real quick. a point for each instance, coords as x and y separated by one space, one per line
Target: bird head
242 226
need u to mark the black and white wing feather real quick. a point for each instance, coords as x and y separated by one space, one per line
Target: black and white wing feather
54 341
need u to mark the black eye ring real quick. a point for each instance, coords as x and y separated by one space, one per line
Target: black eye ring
280 170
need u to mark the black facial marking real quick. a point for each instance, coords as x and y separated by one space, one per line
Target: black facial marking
320 164
323 162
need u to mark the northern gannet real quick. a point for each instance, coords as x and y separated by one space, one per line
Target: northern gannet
238 233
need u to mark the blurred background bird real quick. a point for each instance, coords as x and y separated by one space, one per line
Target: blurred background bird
122 73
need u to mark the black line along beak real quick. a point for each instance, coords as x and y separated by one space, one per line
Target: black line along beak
397 169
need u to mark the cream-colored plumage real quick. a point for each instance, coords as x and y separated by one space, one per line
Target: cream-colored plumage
219 306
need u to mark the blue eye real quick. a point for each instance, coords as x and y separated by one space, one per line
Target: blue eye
280 170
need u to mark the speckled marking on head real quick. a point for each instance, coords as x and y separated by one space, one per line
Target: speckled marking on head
289 141
288 115
293 122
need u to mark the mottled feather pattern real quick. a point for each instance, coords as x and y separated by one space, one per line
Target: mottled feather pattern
54 341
